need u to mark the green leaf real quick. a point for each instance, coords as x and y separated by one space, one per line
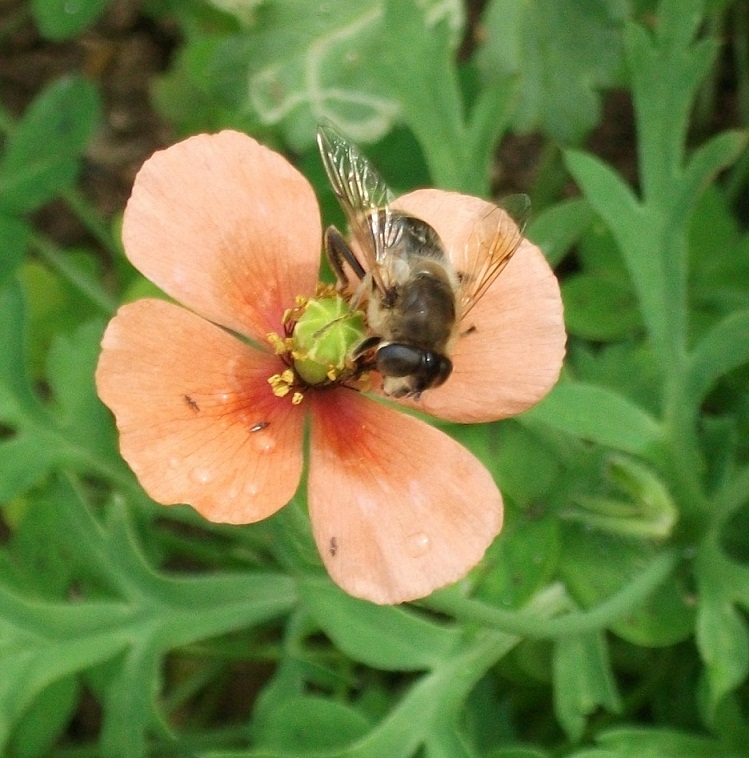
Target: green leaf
724 348
596 565
600 415
311 64
54 305
306 725
380 636
722 635
44 558
43 641
75 430
46 720
602 365
526 469
637 232
563 51
636 502
608 195
41 156
201 91
559 227
633 742
419 62
25 460
705 163
583 681
718 258
507 577
82 419
243 10
14 236
598 308
17 397
309 67
63 19
666 74
447 741
723 642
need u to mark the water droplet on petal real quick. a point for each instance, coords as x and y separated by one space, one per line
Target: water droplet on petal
201 475
251 488
174 462
263 441
419 544
233 368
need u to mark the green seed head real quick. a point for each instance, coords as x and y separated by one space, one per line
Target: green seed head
324 337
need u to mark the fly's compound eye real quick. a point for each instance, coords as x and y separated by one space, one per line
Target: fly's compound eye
426 368
398 360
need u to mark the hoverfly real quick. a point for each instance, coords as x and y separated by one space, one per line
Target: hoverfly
417 297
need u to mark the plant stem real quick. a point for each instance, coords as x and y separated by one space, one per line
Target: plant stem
601 616
686 466
91 219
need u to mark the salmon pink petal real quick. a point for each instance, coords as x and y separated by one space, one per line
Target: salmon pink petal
227 227
511 347
198 422
398 508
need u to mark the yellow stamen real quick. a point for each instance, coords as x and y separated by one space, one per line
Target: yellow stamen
279 344
282 383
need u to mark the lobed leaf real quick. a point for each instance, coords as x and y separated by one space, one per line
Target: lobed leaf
562 51
312 64
583 680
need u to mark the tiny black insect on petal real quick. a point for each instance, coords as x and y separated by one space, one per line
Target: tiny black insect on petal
191 403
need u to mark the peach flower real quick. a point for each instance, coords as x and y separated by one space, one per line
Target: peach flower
232 231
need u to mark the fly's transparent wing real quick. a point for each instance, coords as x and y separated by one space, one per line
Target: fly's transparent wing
494 237
364 197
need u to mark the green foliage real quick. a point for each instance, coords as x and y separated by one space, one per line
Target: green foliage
563 52
42 154
608 620
63 19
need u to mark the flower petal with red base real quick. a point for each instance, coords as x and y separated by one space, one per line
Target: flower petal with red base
512 343
227 227
398 508
198 422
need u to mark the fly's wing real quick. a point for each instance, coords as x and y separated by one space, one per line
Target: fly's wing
364 197
494 237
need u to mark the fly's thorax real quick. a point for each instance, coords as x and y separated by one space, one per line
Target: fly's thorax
411 238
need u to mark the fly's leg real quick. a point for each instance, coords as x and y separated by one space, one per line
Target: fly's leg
339 252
